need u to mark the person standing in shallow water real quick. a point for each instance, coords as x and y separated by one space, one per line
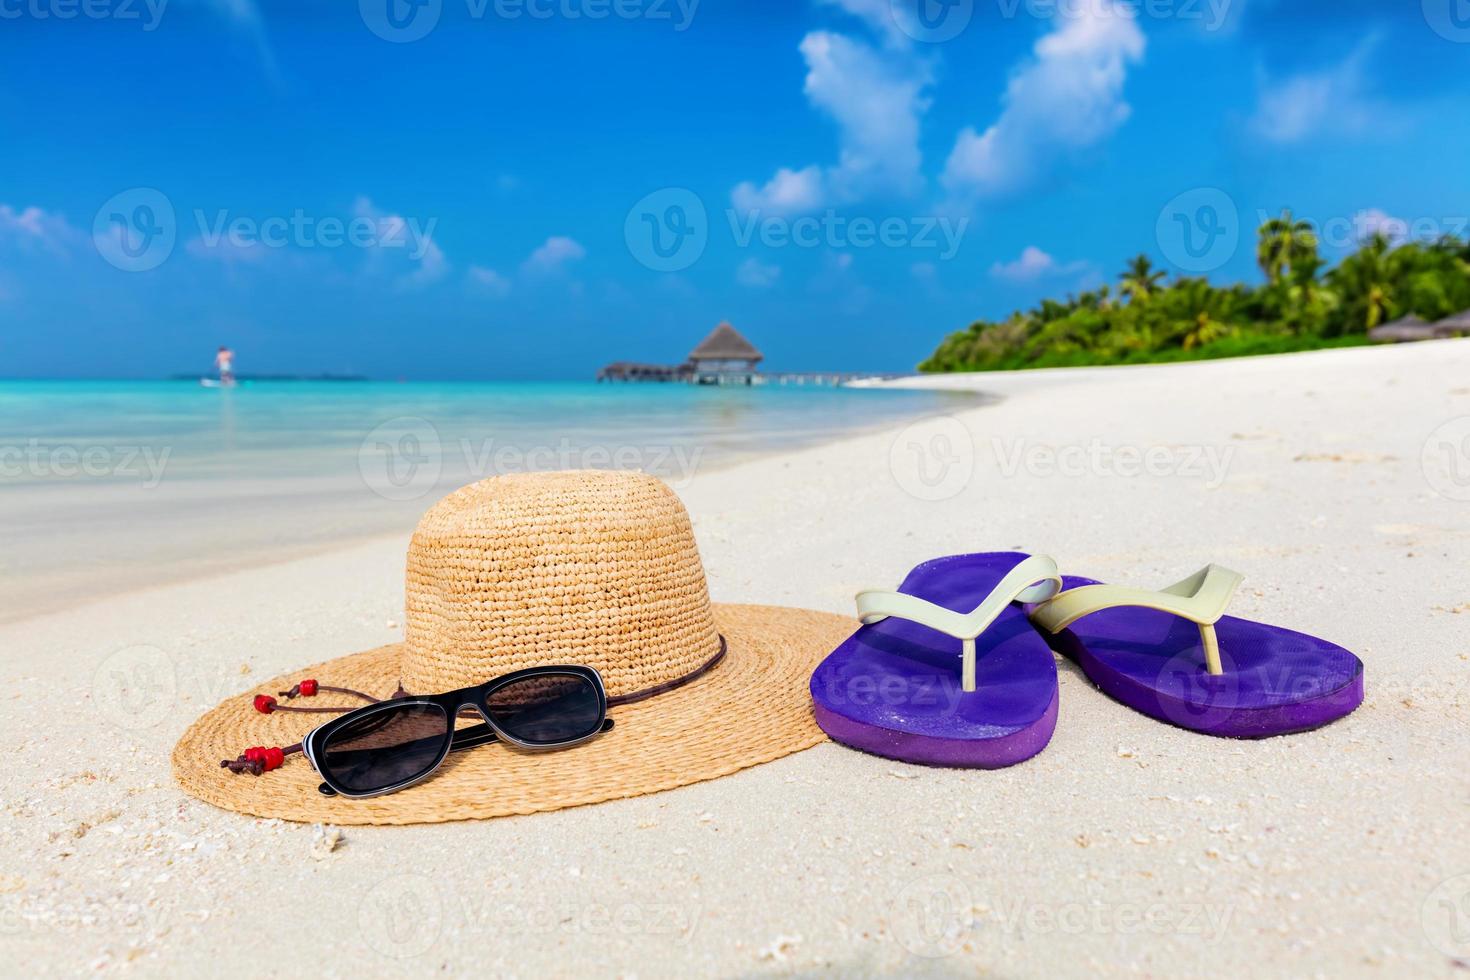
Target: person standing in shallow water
224 361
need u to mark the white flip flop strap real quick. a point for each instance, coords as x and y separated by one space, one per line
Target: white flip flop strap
1035 579
1201 598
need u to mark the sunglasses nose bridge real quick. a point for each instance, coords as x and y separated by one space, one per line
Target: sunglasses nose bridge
474 707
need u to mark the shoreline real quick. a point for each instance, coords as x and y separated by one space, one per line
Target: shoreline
988 388
270 519
1125 847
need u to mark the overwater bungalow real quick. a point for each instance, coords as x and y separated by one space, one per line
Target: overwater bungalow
725 357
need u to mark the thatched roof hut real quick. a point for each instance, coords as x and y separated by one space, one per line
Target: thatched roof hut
1457 325
1404 329
725 344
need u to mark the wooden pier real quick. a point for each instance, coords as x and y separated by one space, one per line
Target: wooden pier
726 358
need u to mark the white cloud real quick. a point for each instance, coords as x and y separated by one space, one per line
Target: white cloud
1067 98
1373 221
490 281
1034 264
432 266
32 228
789 192
877 100
552 256
1329 101
394 236
757 274
549 259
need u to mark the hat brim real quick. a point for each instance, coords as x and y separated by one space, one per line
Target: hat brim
753 707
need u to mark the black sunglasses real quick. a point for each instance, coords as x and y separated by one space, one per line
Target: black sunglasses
388 746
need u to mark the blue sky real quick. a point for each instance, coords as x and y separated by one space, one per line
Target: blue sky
534 187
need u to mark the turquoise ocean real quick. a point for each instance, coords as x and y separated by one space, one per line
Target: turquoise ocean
320 428
107 486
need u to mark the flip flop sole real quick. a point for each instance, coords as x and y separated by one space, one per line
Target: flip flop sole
893 688
1275 682
930 750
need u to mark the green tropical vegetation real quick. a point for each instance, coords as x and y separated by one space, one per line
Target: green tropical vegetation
1297 307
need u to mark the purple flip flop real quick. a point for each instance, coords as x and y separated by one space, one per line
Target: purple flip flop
946 671
1175 656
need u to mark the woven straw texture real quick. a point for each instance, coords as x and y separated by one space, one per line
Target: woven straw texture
589 567
593 568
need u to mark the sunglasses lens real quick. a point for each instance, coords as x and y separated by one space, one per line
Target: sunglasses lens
386 747
547 709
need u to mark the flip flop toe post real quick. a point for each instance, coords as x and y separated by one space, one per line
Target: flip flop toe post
1175 656
946 671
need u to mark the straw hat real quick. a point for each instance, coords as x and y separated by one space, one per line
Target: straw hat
596 568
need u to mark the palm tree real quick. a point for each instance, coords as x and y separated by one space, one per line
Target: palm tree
1140 278
1283 242
1205 330
1365 283
1309 303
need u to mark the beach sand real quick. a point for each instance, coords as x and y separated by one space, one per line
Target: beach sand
1127 846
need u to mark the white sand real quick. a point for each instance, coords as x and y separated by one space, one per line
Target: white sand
1126 846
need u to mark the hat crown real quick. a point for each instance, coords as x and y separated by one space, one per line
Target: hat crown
589 567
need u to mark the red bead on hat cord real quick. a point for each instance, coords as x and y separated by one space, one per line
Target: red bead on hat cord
261 759
266 704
